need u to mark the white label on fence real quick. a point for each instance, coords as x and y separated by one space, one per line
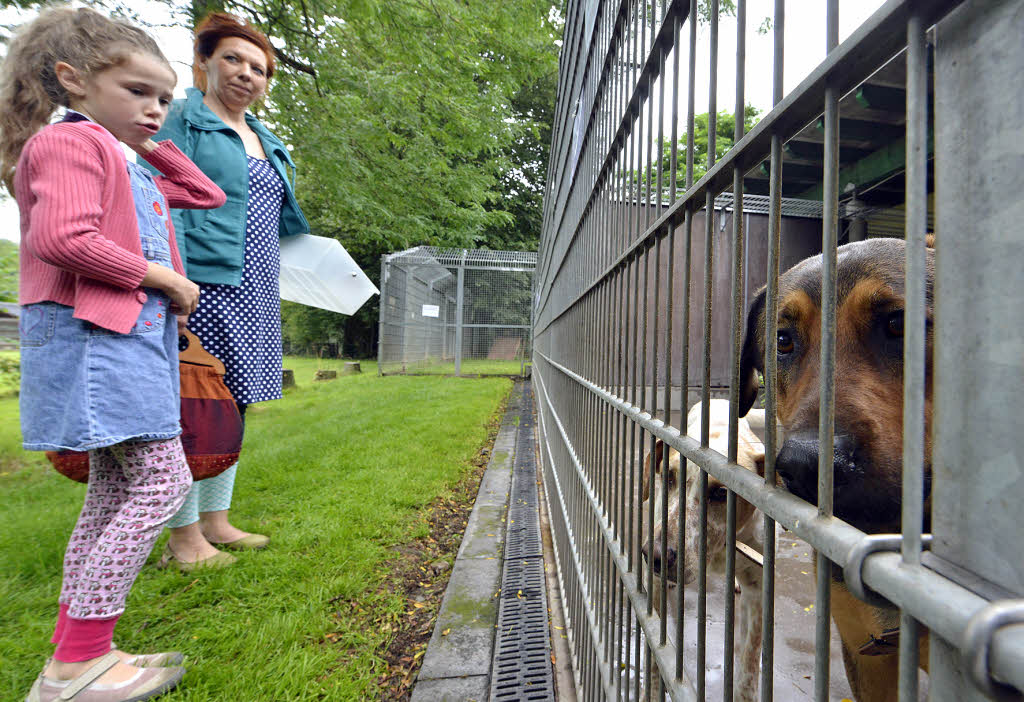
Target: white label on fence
431 310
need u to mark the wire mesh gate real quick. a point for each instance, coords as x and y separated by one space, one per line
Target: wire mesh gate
616 328
456 311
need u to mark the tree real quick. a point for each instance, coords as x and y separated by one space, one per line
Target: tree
521 189
436 136
724 131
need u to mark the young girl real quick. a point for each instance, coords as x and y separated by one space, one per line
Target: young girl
101 283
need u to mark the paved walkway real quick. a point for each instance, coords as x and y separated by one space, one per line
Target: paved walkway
491 639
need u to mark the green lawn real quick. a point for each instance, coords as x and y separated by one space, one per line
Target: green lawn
336 473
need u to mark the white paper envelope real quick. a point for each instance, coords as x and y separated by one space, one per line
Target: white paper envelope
318 272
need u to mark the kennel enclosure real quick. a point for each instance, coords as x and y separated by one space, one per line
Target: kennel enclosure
642 285
456 311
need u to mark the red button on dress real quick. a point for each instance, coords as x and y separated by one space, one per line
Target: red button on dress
159 210
149 324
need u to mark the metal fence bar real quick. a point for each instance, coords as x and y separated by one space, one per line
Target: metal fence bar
643 68
826 373
771 339
736 337
684 327
709 246
914 338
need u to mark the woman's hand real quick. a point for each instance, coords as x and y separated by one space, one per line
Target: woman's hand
183 292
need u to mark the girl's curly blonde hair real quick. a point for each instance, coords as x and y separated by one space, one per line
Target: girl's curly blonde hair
29 90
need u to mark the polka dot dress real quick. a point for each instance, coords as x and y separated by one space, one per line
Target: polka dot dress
242 325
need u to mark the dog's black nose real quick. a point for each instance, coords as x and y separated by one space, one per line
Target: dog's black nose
656 560
797 463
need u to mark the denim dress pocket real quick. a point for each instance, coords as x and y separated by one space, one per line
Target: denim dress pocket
35 324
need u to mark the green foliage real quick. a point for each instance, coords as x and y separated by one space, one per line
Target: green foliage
308 330
10 373
521 191
724 132
8 271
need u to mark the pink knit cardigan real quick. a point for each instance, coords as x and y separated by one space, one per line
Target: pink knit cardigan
79 233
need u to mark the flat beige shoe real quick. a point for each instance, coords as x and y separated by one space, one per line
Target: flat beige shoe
144 685
218 560
250 542
153 660
156 660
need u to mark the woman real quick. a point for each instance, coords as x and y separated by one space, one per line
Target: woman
232 253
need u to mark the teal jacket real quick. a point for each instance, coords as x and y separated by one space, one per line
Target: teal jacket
212 242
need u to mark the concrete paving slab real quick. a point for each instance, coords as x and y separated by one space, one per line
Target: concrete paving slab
474 688
494 487
468 614
485 533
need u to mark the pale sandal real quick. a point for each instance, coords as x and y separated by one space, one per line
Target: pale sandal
154 660
144 685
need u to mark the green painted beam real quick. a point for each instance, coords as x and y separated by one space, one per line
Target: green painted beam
882 97
889 159
863 130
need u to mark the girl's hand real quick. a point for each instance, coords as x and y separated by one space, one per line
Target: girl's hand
183 292
144 148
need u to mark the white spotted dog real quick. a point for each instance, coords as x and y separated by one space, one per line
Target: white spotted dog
749 531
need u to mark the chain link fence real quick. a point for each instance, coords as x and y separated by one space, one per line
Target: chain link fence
456 311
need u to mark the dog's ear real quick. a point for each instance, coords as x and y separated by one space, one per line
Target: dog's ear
752 357
656 454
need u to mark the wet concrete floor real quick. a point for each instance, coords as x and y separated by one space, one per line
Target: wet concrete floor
794 630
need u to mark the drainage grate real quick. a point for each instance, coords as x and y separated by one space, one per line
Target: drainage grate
522 652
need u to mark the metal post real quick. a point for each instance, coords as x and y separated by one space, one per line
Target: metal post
380 315
979 310
459 299
826 408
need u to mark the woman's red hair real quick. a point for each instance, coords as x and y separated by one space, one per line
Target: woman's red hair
221 25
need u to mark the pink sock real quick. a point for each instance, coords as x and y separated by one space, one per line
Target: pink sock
62 622
84 639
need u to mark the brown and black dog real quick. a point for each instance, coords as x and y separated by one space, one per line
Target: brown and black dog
868 446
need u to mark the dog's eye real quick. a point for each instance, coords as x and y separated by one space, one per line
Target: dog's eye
894 325
718 494
785 341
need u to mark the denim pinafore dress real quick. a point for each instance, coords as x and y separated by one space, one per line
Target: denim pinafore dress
84 387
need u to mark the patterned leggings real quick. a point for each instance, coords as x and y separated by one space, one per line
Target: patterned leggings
134 488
